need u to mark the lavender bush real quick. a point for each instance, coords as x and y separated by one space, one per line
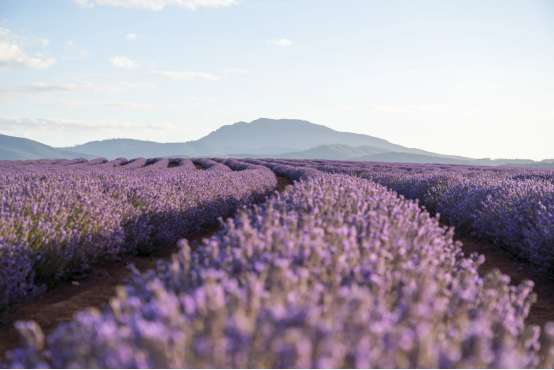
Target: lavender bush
335 272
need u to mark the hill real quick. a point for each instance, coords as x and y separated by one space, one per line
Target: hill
17 148
549 163
130 148
412 158
365 153
262 137
336 152
298 135
368 153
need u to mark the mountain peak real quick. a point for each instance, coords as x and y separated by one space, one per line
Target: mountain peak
263 136
289 134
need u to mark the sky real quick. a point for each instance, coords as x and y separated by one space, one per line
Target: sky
473 78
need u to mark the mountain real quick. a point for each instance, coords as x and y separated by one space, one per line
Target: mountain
262 137
336 152
17 148
412 158
292 135
363 153
549 163
130 148
368 153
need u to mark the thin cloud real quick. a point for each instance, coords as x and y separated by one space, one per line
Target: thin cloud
80 59
397 109
73 59
180 75
55 124
38 89
235 70
279 42
13 56
132 36
122 62
156 5
114 104
84 3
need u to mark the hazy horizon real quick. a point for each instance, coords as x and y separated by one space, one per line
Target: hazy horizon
467 78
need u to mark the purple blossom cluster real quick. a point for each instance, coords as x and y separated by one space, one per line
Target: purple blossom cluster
512 207
58 217
335 272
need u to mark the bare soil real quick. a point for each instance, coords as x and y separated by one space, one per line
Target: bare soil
59 303
543 310
199 167
282 183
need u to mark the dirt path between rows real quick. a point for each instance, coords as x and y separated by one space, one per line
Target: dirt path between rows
282 183
59 304
543 310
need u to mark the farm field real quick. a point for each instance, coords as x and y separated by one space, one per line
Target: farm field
335 271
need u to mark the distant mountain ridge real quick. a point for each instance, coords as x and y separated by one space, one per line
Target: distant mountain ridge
260 137
130 148
367 153
17 148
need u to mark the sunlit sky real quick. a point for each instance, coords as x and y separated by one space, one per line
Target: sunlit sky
471 78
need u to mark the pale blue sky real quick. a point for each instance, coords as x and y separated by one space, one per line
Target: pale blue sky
471 78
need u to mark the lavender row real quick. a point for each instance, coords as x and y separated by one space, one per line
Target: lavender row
211 165
512 207
55 220
293 172
335 272
184 164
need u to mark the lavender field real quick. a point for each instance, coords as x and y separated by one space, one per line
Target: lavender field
343 269
59 217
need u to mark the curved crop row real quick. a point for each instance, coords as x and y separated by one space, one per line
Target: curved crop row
294 173
184 164
512 207
135 163
57 220
211 165
335 272
237 165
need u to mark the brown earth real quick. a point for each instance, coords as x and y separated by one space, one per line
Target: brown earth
67 297
199 167
543 310
59 303
282 183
